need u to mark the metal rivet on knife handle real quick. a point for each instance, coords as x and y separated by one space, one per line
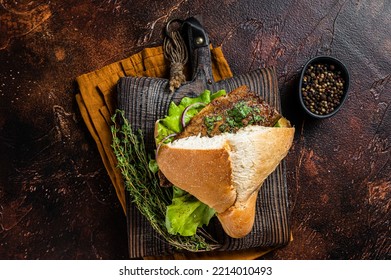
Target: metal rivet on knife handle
199 41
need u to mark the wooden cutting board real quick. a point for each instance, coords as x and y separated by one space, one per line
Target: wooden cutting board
144 100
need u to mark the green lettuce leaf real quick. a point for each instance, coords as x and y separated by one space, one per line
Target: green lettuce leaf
172 122
152 165
186 214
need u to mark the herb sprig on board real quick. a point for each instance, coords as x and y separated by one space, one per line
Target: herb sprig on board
143 185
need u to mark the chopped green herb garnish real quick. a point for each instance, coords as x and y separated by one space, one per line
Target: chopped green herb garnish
223 128
242 111
210 121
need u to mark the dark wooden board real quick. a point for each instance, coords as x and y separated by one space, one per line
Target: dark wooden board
146 100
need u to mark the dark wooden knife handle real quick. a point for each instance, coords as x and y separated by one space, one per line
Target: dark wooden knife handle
197 41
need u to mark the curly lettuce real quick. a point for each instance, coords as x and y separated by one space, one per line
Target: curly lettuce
186 213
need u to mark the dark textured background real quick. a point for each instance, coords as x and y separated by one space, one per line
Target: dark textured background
56 200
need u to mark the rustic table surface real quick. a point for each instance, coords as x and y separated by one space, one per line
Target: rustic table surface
56 199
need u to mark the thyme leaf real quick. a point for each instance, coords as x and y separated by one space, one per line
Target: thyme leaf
143 186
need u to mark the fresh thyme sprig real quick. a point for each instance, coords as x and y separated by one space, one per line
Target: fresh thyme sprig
143 185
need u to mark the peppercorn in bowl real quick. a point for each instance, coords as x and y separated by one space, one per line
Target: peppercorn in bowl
323 87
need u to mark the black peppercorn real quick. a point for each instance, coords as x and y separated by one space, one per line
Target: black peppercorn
323 88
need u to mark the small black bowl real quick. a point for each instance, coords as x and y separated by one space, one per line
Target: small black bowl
344 74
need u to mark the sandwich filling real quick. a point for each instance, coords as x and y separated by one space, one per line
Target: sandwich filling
195 121
231 112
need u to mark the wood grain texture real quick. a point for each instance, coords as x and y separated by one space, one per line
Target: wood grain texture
145 100
56 201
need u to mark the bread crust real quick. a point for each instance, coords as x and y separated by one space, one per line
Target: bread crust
270 148
228 178
206 174
238 220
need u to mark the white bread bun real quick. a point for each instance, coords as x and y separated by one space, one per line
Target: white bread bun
226 171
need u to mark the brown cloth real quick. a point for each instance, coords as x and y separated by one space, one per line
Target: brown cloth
97 103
